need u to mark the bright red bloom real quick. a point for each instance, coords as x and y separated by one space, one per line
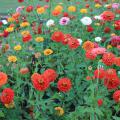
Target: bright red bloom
108 16
90 55
27 38
107 30
117 25
116 96
99 73
100 102
20 1
1 24
35 76
29 8
108 58
57 36
65 14
50 74
7 96
73 43
117 61
90 29
115 41
67 38
111 82
5 34
40 83
64 85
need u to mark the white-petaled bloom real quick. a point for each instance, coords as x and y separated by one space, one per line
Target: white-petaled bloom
98 39
80 41
50 23
4 22
86 21
97 17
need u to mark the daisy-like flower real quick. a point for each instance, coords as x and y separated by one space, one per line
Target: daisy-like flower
48 52
50 23
98 39
86 21
64 21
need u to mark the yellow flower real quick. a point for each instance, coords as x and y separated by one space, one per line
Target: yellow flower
39 39
98 5
41 10
59 111
83 10
24 33
10 105
109 46
48 52
24 24
72 9
10 19
113 34
59 8
10 29
12 58
17 47
97 24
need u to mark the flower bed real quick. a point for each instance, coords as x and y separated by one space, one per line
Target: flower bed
60 61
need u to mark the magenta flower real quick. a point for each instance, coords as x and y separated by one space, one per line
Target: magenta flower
64 21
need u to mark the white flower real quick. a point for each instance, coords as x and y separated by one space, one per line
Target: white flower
50 23
86 20
98 39
4 22
80 41
97 17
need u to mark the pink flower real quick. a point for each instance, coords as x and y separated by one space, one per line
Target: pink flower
98 51
115 5
64 21
19 9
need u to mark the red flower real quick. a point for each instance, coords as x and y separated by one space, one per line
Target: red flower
50 74
90 29
117 25
107 30
89 55
99 73
115 41
87 5
40 83
111 82
5 34
20 1
29 8
108 16
65 14
27 38
7 96
73 43
100 102
1 24
67 38
108 59
35 76
116 96
57 36
64 84
117 61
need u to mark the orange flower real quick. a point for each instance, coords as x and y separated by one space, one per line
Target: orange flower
56 12
88 45
16 15
3 78
117 61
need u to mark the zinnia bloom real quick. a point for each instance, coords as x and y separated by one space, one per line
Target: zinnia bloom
64 85
117 25
7 96
108 58
50 74
73 43
3 79
64 21
116 96
57 36
48 52
12 58
107 16
100 73
59 111
88 45
86 21
100 102
40 83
